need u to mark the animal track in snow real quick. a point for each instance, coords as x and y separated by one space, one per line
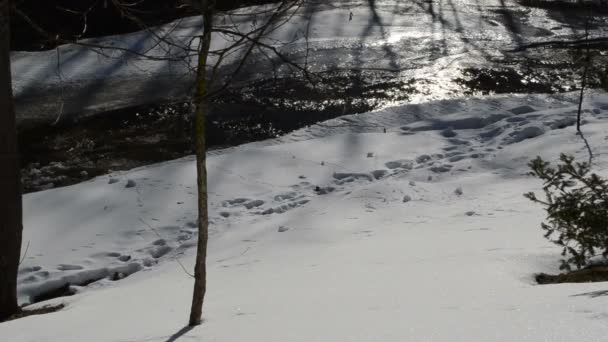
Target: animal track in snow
160 251
31 269
342 178
68 267
253 204
402 164
523 134
284 207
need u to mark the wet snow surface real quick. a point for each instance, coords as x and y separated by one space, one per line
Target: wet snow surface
405 224
440 45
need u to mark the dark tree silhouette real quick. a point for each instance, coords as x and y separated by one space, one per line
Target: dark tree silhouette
11 225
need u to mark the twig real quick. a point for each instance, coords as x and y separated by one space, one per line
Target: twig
61 87
25 253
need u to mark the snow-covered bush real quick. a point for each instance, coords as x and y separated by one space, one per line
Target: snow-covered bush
577 209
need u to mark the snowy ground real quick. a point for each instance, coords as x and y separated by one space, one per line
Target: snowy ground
428 40
385 249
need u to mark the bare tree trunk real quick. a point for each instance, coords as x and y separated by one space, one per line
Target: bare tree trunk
200 268
10 184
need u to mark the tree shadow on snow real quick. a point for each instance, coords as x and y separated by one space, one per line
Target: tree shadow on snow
179 334
594 294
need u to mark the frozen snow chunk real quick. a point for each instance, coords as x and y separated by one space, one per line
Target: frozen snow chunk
253 204
470 213
283 229
225 214
130 184
112 181
458 191
522 110
406 198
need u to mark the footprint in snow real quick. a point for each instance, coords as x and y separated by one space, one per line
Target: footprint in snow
29 269
234 202
253 204
160 251
440 169
160 242
423 158
124 258
68 267
522 110
401 164
378 174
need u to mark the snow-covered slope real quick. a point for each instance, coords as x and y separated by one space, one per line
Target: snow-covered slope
337 232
